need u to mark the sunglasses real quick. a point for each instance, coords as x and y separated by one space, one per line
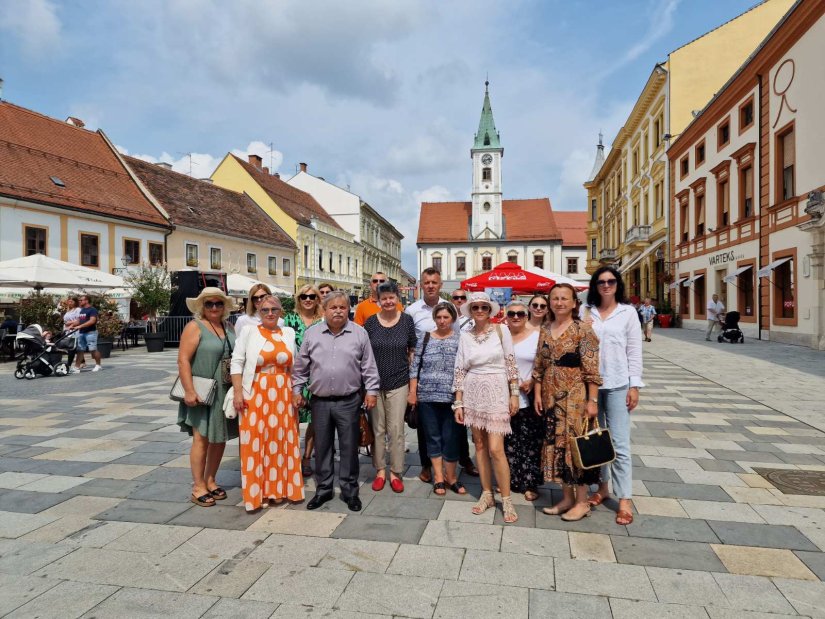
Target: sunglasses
304 297
270 310
606 282
519 314
480 308
378 281
212 304
538 306
459 298
257 298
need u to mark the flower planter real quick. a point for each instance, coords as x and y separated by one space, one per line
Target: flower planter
665 320
104 346
154 341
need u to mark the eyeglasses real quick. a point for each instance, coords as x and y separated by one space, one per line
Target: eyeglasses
519 314
257 298
480 308
606 282
212 304
459 297
378 281
538 306
269 310
304 297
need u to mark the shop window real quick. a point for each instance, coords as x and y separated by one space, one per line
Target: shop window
784 291
684 300
191 255
746 192
90 250
155 254
486 263
272 265
745 298
215 258
461 264
437 263
572 265
699 286
251 263
786 158
131 248
723 203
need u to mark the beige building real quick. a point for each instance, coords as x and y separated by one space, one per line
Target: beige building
747 202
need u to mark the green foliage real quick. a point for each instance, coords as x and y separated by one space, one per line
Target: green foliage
41 309
287 303
151 289
109 323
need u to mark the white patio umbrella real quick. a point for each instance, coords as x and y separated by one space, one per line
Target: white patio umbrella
559 279
39 271
238 285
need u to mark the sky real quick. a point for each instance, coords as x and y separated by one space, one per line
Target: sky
379 96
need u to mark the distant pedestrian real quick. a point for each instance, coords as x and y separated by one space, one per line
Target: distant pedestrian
647 313
324 288
86 325
69 324
370 305
715 315
251 317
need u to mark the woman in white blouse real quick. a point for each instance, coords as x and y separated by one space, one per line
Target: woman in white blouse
616 324
252 317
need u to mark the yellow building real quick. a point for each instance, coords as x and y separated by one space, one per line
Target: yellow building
626 191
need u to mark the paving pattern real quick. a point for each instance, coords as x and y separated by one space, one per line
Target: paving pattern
94 518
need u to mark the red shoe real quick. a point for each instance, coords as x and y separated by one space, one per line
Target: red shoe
397 485
378 484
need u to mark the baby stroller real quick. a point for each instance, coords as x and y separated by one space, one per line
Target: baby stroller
39 356
730 329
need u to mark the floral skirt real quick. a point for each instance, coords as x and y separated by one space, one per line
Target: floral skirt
487 403
524 450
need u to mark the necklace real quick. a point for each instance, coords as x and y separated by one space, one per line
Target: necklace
480 339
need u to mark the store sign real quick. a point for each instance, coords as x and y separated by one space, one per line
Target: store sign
724 257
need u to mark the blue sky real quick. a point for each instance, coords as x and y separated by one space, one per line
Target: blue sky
382 96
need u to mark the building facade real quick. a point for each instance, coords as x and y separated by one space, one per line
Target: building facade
325 251
747 202
627 189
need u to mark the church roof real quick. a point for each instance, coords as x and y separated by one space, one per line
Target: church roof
524 220
573 227
487 136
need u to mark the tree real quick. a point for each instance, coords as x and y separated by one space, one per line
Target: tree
151 289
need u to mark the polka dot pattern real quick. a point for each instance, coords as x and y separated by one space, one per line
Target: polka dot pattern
269 437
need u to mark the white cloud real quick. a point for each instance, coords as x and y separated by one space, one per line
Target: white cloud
35 24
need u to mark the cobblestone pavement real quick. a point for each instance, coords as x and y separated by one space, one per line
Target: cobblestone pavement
95 521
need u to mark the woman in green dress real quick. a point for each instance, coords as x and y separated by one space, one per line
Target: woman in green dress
308 311
204 343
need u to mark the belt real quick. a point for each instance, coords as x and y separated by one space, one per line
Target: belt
334 398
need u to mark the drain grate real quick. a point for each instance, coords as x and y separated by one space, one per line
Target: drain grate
790 481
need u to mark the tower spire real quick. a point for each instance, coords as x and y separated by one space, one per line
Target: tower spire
597 164
487 136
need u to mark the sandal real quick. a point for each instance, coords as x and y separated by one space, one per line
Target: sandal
426 475
568 518
555 511
219 494
485 502
531 495
596 499
205 500
510 515
624 518
440 488
457 487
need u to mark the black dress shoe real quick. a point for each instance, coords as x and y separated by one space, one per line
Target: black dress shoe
318 500
354 503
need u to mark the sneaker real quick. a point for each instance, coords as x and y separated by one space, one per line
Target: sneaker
74 370
97 368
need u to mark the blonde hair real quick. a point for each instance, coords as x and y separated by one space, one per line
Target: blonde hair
310 289
250 304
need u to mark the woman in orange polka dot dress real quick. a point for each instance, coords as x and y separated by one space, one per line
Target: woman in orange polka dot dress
270 452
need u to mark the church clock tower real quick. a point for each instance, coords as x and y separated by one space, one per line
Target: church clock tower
486 153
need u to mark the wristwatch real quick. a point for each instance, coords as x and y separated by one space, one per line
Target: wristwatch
596 400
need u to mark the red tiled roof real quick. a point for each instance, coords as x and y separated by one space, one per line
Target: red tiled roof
198 204
34 147
524 220
298 204
573 227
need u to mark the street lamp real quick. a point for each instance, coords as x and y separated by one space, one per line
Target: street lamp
126 260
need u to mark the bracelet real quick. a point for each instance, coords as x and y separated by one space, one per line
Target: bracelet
457 404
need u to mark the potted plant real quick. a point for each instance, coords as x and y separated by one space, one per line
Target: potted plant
41 309
109 323
665 314
151 289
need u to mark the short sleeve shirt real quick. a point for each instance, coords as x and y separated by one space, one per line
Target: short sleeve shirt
391 346
86 313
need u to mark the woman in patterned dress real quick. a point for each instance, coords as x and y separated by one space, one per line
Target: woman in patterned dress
484 366
270 450
308 311
566 385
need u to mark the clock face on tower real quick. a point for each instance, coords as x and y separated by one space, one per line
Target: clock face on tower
487 159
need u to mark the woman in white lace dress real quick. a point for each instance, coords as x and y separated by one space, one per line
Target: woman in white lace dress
486 396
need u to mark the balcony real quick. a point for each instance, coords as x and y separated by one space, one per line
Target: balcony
607 255
638 236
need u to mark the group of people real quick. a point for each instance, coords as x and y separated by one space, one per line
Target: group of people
523 389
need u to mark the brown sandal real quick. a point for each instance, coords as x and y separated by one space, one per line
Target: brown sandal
596 499
624 518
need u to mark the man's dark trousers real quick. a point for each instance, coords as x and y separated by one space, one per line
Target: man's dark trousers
331 415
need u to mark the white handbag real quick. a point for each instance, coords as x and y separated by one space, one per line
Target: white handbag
204 387
229 404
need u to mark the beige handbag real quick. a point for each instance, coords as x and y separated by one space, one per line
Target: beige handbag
204 387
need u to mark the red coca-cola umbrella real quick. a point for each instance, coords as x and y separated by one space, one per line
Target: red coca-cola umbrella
509 275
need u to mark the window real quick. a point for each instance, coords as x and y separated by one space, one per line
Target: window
251 263
306 256
272 265
684 167
538 259
657 134
191 255
785 160
461 264
215 258
783 293
699 286
635 214
744 284
486 174
683 220
700 215
635 162
746 192
572 265
287 267
486 263
349 266
340 263
320 259
512 258
658 197
723 134
437 263
90 250
131 248
356 266
592 253
155 254
723 203
700 153
331 270
746 115
645 147
593 209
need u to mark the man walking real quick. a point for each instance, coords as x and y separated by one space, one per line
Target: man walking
716 312
87 336
337 363
647 313
370 306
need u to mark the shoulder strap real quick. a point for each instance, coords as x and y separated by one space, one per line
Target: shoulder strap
500 336
423 349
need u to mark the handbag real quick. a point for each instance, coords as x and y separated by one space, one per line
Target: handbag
205 387
411 412
365 436
229 404
592 448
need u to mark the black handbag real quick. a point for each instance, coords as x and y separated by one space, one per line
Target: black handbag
411 412
593 448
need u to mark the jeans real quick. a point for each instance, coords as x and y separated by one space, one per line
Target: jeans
438 423
613 414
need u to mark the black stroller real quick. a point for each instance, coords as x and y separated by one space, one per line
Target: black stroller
40 357
730 329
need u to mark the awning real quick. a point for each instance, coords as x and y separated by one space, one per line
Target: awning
729 279
690 280
766 271
677 282
626 267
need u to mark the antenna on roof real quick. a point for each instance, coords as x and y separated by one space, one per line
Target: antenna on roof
1 88
190 160
271 150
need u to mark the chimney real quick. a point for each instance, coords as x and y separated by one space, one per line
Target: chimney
266 170
303 167
206 180
164 165
76 122
256 161
277 175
